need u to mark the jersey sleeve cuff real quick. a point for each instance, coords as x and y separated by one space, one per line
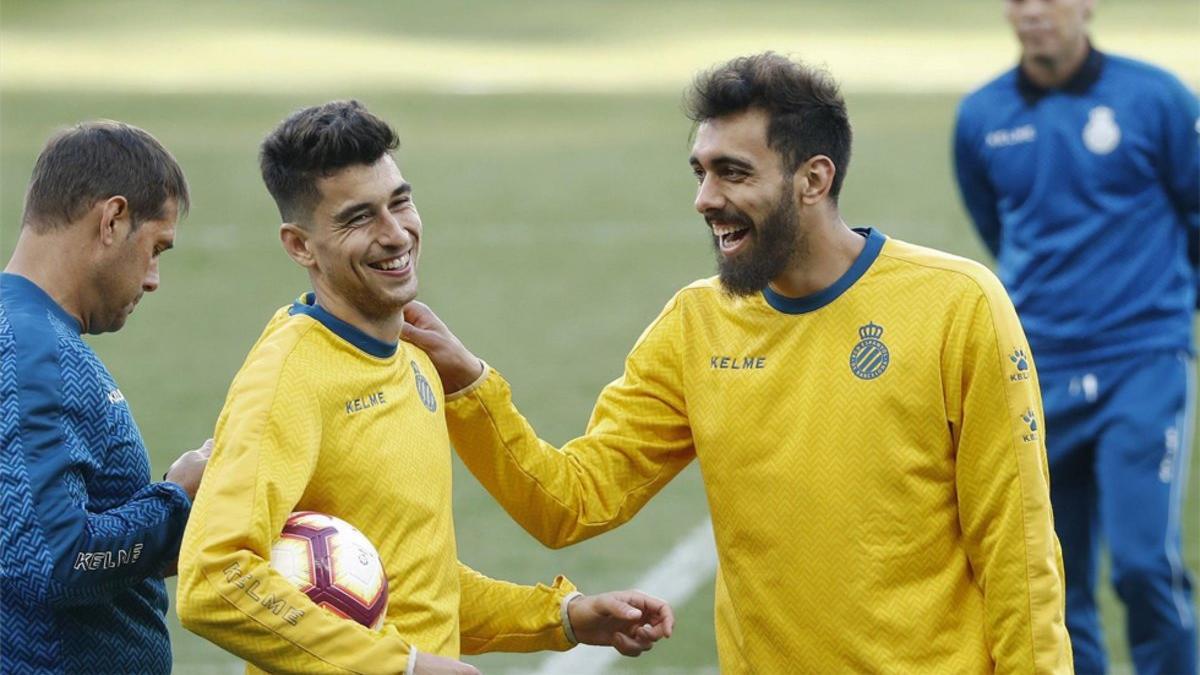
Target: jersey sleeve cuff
174 493
566 617
483 376
412 661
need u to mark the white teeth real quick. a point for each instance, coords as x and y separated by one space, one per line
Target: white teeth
394 263
722 230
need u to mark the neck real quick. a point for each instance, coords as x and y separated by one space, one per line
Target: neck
828 250
1054 71
51 261
384 328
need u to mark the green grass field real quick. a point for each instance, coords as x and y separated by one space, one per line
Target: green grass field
556 201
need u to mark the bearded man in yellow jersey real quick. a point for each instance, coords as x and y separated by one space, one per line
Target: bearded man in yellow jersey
864 411
332 413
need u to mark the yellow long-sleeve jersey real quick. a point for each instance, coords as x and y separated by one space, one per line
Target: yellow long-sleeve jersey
322 417
873 457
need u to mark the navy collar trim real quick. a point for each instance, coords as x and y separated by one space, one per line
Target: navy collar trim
1079 83
817 300
34 292
307 305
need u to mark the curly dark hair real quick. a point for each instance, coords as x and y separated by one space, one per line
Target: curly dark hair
96 160
807 112
317 142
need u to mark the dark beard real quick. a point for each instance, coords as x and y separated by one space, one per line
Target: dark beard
775 245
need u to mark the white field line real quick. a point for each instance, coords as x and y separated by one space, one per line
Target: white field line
690 564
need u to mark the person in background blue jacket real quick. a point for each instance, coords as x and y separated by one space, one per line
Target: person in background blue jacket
85 537
1081 171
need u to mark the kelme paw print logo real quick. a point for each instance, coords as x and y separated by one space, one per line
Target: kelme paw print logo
1018 357
1030 419
1021 362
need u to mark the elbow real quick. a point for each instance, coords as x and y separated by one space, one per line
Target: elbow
550 536
193 598
565 534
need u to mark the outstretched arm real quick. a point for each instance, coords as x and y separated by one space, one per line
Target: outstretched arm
637 441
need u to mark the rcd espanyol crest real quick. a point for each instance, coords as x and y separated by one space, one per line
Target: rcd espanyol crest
423 389
870 356
1101 134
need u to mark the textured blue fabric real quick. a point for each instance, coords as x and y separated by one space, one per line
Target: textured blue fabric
1088 196
85 531
1122 435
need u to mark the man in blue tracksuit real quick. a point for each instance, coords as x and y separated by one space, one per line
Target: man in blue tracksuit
1081 171
85 537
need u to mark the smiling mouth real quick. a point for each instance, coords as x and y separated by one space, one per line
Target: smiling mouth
399 264
730 237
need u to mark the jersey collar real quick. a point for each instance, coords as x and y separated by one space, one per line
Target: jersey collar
1080 82
817 300
307 305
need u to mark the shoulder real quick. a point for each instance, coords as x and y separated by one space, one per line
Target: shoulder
665 327
983 98
706 294
1140 72
1145 81
285 345
966 279
44 348
963 291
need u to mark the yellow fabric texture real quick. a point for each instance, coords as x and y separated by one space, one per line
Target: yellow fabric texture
897 520
297 434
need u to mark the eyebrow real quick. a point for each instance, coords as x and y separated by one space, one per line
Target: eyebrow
724 161
348 212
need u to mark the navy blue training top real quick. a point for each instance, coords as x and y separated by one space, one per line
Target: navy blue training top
1089 197
84 533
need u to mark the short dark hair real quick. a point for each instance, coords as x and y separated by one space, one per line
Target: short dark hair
96 160
807 113
317 142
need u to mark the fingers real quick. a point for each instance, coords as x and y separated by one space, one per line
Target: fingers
419 314
652 632
630 646
660 615
413 333
206 449
655 611
616 607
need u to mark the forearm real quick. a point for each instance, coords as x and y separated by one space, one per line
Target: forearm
98 555
595 483
233 598
1019 568
501 616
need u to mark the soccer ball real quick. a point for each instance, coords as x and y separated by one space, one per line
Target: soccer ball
335 565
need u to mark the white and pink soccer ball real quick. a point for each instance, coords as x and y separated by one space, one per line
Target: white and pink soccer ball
335 565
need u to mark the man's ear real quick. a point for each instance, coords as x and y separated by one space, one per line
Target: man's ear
814 179
295 242
114 219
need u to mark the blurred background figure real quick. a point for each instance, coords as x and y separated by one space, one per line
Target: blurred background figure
1081 171
549 146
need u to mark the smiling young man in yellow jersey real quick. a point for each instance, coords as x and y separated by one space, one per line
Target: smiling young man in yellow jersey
864 411
332 413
